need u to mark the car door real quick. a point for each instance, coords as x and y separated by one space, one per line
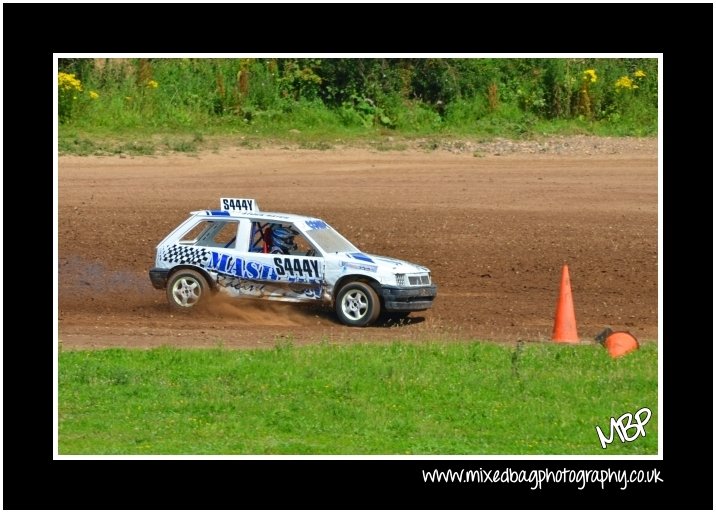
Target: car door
289 269
221 245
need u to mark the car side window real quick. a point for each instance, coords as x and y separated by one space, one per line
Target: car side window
303 247
211 234
259 237
279 238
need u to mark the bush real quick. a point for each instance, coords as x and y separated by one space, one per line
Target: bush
411 95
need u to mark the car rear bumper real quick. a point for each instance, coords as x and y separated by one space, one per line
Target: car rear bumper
159 277
408 299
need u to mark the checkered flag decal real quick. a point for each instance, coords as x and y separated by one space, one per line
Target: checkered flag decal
186 255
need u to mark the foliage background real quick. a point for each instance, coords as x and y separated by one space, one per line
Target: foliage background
511 97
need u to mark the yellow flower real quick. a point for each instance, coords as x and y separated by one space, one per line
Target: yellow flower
590 75
625 83
152 84
67 82
93 95
639 74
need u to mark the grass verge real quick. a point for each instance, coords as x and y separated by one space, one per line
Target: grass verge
471 399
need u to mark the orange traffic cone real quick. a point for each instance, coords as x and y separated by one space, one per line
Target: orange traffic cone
565 325
617 343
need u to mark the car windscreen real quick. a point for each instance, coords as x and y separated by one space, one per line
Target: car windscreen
331 241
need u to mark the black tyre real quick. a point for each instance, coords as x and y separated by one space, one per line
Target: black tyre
357 304
186 289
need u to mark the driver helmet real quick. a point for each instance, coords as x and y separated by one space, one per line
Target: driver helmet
282 239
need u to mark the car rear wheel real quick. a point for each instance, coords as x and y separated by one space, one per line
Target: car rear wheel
186 289
357 304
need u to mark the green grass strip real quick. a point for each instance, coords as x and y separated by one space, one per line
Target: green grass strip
400 398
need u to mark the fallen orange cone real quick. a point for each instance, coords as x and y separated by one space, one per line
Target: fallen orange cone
617 343
565 324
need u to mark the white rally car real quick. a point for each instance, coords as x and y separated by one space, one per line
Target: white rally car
244 252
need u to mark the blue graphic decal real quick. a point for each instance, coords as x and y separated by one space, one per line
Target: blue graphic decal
361 256
226 264
278 290
317 224
311 293
253 270
285 269
360 267
217 213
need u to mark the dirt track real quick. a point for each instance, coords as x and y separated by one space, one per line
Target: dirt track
494 229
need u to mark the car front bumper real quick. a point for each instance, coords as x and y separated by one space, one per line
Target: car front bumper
159 277
408 299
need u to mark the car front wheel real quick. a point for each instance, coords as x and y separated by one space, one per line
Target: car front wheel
186 289
357 304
